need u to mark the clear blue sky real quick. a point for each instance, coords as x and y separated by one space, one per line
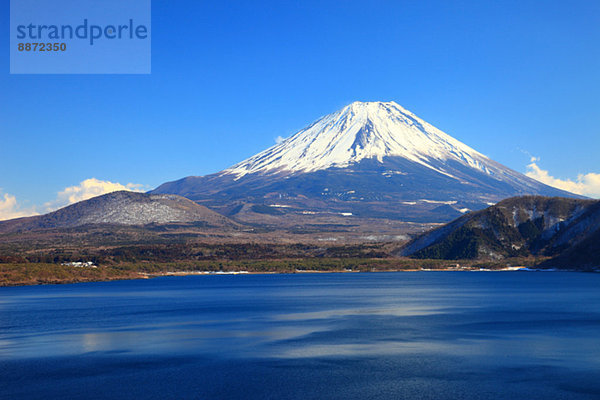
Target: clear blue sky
505 77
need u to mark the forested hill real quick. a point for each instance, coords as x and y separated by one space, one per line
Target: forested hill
568 230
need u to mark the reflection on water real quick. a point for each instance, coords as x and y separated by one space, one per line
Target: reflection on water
533 327
384 310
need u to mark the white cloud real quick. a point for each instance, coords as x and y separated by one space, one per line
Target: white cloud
585 184
87 189
10 208
279 139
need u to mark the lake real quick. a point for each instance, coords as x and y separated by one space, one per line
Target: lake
406 335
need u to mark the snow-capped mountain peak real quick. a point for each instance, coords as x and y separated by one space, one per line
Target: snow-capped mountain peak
367 160
362 130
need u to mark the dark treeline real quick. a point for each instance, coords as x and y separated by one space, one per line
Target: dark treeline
191 252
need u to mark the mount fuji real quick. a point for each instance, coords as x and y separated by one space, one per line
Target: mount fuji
369 160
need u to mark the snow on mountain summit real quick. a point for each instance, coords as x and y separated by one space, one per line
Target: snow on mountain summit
363 130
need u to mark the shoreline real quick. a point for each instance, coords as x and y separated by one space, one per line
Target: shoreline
28 274
144 276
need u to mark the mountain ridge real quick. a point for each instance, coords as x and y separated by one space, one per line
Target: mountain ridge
370 160
121 208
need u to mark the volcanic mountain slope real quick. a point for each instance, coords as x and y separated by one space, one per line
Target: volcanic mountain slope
367 160
521 226
122 208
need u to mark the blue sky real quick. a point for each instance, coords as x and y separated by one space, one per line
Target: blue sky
512 79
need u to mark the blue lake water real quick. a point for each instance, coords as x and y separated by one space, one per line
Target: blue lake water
409 335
